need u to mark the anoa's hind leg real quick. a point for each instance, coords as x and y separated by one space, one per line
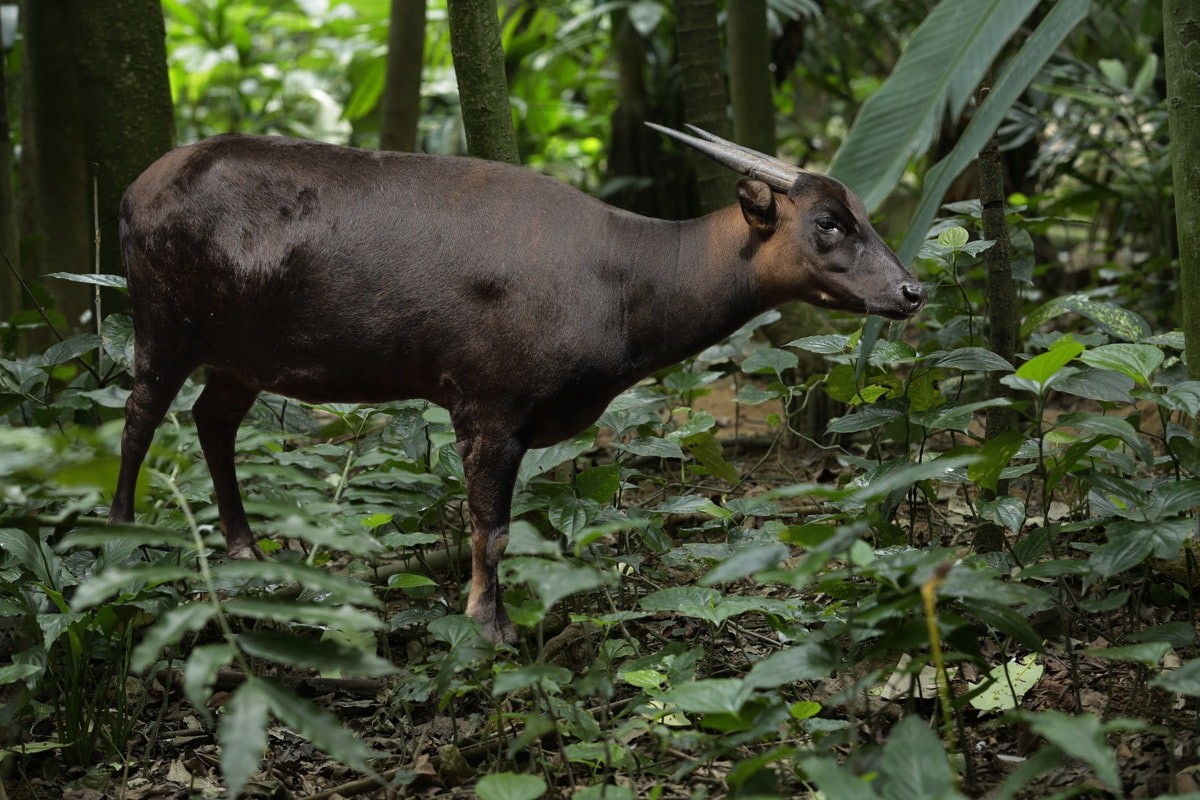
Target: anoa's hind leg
154 387
219 412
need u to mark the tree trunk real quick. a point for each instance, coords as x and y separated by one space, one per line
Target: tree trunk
122 71
750 86
10 287
1181 34
401 105
482 86
54 216
704 99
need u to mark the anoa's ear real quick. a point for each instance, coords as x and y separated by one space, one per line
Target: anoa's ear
758 205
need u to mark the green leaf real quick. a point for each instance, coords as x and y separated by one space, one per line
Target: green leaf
115 580
1080 736
1043 367
866 418
1122 551
954 237
946 57
599 483
201 670
243 735
303 613
318 726
168 630
1019 72
1008 511
1185 680
1137 361
914 763
108 281
1103 425
551 581
1149 654
705 448
70 348
994 456
746 561
315 579
711 696
770 360
827 344
322 655
1111 318
410 580
806 661
538 462
1097 384
510 786
1183 397
550 676
973 358
653 446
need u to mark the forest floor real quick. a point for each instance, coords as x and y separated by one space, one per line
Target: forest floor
440 749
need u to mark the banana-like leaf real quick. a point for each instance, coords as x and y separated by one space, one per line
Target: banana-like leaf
944 61
1019 73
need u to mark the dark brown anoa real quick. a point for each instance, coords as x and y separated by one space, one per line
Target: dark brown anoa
520 304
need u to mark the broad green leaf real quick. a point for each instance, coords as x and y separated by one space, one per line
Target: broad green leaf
1176 634
827 344
1010 682
835 781
994 456
200 671
770 360
1096 384
1082 737
1148 653
745 562
168 630
806 661
1104 425
510 786
410 580
914 763
318 726
973 358
1183 397
11 673
953 417
1137 361
610 791
550 676
1111 318
105 280
1018 73
551 581
644 678
70 348
866 418
288 572
599 483
953 237
537 462
307 613
115 580
1043 367
937 73
1007 511
705 448
653 446
243 735
321 655
711 696
1185 680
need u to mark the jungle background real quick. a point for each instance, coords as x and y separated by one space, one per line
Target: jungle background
828 557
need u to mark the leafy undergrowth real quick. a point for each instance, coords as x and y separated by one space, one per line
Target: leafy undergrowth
706 608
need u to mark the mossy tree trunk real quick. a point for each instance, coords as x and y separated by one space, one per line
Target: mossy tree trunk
482 85
750 86
400 110
10 287
1181 34
98 108
705 101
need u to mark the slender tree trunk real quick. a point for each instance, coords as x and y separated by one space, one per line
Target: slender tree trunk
10 287
704 98
750 85
1181 34
130 122
401 105
53 177
482 86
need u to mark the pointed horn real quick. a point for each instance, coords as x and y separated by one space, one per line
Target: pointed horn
775 173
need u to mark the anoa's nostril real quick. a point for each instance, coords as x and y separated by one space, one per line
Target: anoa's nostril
913 292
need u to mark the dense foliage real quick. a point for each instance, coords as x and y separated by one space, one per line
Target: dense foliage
746 615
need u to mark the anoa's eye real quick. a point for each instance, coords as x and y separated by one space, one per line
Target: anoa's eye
828 224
